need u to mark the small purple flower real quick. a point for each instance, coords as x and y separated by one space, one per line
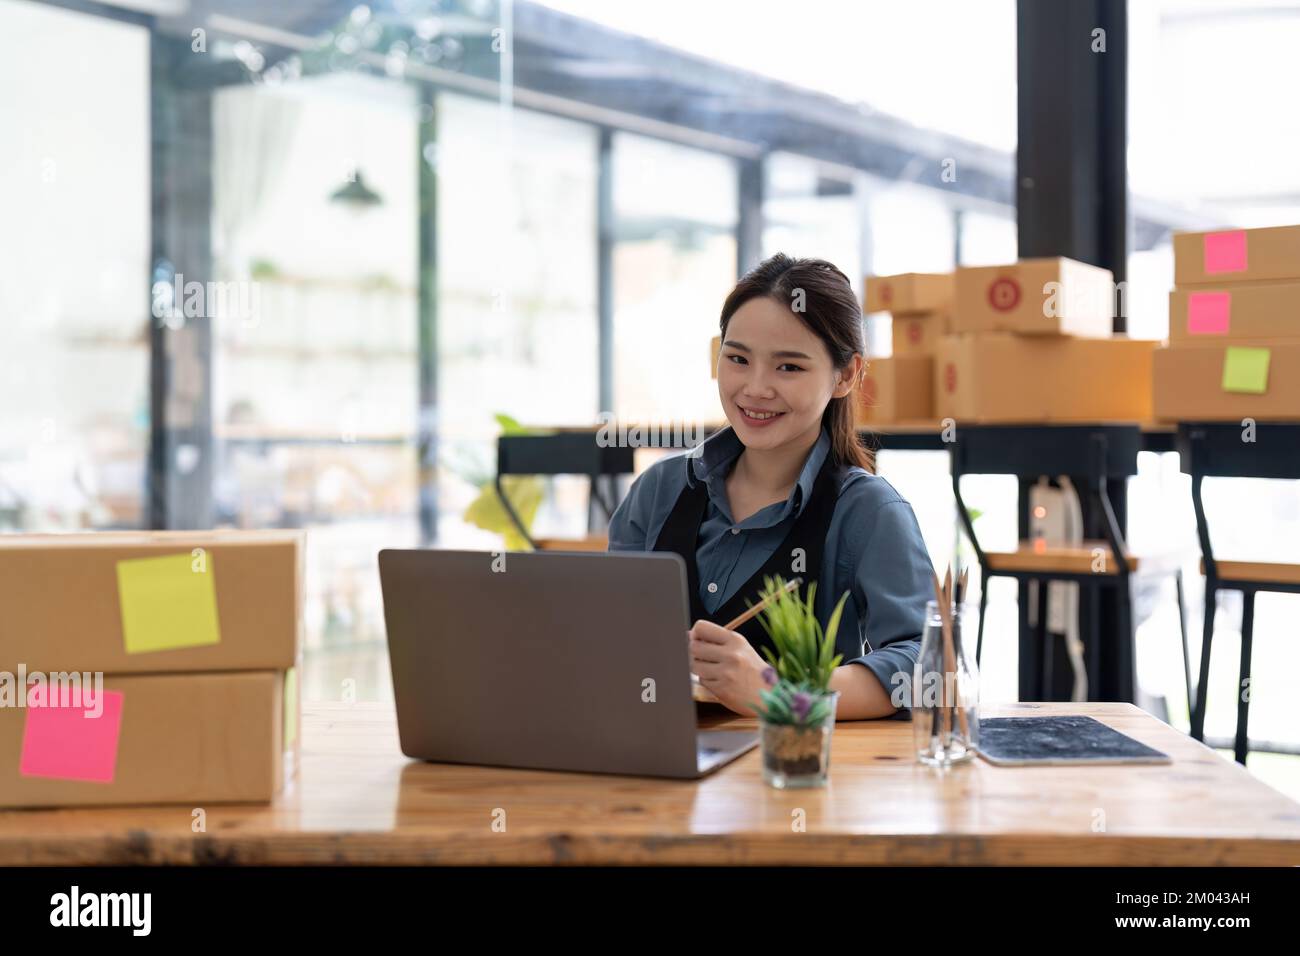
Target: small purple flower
801 702
769 676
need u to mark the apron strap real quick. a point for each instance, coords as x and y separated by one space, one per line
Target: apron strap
680 534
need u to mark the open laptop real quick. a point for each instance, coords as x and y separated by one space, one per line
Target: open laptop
547 659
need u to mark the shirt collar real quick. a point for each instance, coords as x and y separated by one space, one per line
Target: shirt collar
712 459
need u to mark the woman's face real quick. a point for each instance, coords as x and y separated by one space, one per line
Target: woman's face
775 376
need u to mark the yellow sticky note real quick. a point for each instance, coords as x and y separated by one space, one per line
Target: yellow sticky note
168 602
290 707
1245 370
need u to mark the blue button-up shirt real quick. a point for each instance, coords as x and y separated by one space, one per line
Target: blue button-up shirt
874 550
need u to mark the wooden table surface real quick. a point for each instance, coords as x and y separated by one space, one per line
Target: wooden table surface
357 800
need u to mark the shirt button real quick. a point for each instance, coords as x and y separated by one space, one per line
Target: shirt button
735 531
713 588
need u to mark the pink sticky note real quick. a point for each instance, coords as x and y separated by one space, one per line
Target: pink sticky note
1208 313
1225 251
70 742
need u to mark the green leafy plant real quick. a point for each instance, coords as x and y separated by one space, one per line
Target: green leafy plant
525 492
962 547
805 658
262 269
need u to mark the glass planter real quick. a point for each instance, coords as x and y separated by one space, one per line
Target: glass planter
945 694
798 755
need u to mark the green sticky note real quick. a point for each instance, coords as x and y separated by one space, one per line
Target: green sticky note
168 602
1245 370
290 707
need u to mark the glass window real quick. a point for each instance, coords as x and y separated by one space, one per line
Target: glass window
810 211
941 64
675 255
988 240
911 229
517 319
74 270
315 375
1205 145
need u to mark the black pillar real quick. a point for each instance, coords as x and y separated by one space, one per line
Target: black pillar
1072 200
605 271
427 314
749 225
181 449
1072 125
606 236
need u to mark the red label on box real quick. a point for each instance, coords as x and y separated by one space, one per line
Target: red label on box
1004 293
950 377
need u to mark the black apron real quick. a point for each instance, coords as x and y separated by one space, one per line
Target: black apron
681 532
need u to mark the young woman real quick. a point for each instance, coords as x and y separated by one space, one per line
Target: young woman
788 489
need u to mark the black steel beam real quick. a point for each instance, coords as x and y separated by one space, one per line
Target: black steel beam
181 448
427 314
1071 152
1072 200
749 223
605 228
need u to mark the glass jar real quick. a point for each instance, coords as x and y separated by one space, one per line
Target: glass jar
945 693
798 755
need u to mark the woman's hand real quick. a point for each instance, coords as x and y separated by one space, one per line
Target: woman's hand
728 666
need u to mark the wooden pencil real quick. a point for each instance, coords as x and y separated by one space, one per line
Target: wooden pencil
949 657
945 722
735 623
742 618
959 597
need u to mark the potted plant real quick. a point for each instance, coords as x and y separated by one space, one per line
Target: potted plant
797 710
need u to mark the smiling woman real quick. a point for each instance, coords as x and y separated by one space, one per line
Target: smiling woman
788 490
791 358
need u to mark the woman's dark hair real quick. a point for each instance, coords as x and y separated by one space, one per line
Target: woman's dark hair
822 298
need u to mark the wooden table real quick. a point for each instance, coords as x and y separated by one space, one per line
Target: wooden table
357 800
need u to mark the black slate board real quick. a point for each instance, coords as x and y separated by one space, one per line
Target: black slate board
1059 740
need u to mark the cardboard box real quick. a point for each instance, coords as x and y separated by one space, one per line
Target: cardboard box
909 292
1257 379
999 377
192 739
919 333
159 602
1215 314
1237 255
864 408
1037 296
903 387
715 349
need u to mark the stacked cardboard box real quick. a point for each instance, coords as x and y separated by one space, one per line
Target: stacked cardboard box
1003 377
1234 328
896 389
1032 342
1052 297
148 667
900 388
